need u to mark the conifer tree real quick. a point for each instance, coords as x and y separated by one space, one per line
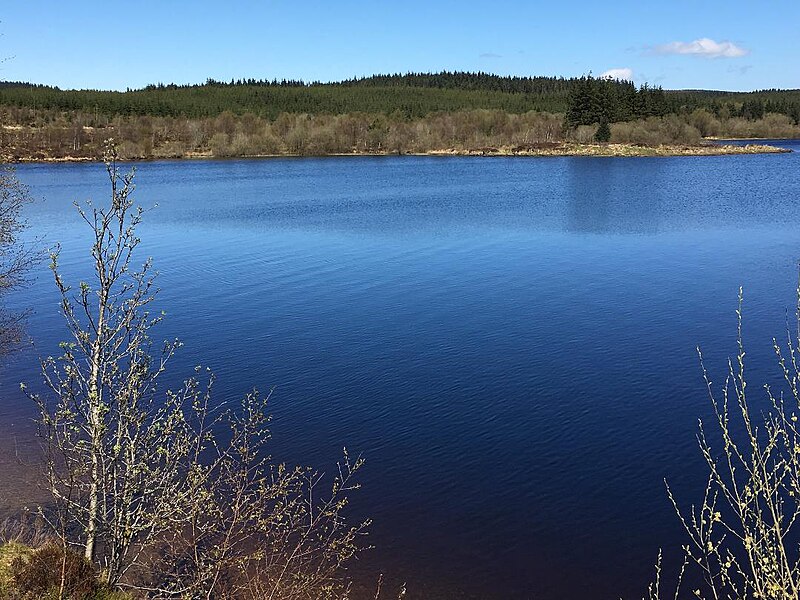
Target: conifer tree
603 133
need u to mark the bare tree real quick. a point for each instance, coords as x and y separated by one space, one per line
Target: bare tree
743 536
106 414
167 493
15 258
260 530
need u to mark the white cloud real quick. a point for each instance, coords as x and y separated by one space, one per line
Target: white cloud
705 47
491 55
626 74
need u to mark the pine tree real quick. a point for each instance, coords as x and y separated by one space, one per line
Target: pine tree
603 133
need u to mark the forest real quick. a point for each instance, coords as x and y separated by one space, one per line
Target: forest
401 113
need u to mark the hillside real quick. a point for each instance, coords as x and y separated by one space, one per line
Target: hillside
410 113
411 95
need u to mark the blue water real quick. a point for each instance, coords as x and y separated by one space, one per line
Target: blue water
510 342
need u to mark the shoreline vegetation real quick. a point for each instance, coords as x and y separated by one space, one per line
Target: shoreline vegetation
157 493
417 113
551 149
616 149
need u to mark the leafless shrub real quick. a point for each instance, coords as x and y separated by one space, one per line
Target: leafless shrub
166 493
655 590
583 134
15 258
743 536
653 131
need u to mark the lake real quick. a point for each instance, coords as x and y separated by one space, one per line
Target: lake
510 342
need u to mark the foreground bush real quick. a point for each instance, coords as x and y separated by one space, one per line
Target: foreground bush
744 534
9 552
164 492
53 571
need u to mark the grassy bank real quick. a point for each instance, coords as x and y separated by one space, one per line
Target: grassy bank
45 573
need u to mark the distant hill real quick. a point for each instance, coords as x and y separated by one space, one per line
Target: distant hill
409 95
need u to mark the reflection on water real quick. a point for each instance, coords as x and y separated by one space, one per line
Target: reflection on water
606 195
519 388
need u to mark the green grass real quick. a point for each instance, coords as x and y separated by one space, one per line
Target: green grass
8 552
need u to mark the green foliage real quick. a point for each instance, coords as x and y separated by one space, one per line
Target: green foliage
593 101
603 133
412 95
415 112
270 99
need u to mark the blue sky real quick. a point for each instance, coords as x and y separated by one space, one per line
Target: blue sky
733 45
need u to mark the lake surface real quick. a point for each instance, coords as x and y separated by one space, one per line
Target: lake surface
510 342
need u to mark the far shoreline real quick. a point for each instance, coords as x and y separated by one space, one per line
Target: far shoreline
548 149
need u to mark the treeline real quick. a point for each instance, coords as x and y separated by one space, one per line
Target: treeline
453 80
410 96
410 113
746 105
413 95
604 101
594 100
52 135
459 80
212 99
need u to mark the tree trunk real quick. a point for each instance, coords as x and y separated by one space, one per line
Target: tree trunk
95 425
